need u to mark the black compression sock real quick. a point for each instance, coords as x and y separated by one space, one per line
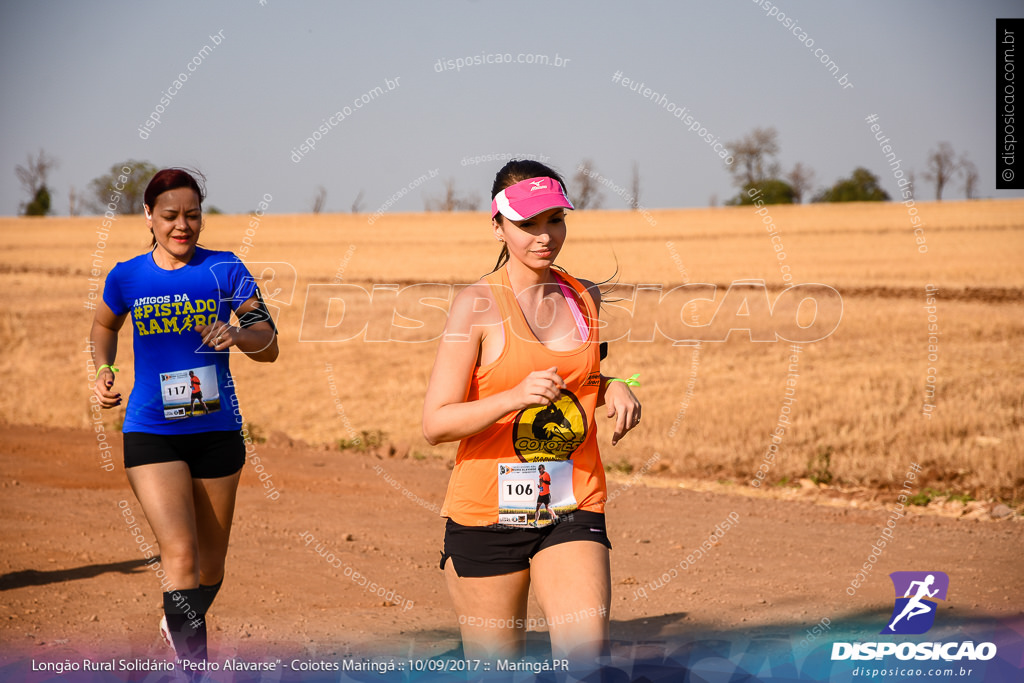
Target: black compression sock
210 593
185 611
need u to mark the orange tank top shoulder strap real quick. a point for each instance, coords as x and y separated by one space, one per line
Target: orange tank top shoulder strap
588 318
571 293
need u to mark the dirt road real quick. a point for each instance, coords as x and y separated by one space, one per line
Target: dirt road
74 580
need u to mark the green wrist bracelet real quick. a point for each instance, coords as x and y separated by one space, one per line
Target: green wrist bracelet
633 381
106 365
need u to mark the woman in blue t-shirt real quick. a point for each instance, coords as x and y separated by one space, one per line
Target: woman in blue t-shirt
182 465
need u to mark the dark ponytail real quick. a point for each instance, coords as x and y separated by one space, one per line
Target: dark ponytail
502 257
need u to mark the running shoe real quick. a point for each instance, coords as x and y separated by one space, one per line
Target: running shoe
166 633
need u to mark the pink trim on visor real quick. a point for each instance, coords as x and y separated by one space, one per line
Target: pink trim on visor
527 198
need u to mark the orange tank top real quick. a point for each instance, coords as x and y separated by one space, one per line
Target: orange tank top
495 479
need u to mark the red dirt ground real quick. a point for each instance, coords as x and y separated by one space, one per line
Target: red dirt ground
73 580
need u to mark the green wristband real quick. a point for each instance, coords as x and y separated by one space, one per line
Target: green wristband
106 365
633 381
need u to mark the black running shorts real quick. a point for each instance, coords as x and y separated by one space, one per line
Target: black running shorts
209 455
479 551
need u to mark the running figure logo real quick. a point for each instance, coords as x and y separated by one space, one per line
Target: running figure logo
916 592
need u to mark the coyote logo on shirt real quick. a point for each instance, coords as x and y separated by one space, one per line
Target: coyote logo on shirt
551 432
550 423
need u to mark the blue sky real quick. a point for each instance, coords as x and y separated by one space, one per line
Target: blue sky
79 79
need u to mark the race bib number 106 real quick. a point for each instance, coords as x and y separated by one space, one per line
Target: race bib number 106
534 493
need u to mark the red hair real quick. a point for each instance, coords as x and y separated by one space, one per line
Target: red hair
172 179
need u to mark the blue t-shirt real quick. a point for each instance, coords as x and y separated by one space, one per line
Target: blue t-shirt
181 386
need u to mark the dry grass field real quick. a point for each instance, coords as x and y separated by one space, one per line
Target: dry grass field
858 418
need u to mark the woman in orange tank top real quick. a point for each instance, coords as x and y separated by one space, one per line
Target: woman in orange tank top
517 381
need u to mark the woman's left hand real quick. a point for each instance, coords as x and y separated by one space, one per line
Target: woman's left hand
219 335
624 406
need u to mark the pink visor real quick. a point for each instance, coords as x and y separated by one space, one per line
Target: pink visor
527 198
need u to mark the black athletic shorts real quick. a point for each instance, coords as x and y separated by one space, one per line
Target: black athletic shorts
209 455
498 549
198 396
544 500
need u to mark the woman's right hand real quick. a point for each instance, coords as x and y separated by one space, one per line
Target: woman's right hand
103 388
540 387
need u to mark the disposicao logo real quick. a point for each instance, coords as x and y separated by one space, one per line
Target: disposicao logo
914 614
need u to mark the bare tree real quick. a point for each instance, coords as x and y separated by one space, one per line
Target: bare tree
801 179
357 203
970 172
451 201
34 173
318 199
73 208
586 192
33 178
634 201
942 166
754 157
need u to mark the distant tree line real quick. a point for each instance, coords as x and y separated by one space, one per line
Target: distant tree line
755 171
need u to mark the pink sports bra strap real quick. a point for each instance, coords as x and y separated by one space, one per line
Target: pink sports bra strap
570 298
